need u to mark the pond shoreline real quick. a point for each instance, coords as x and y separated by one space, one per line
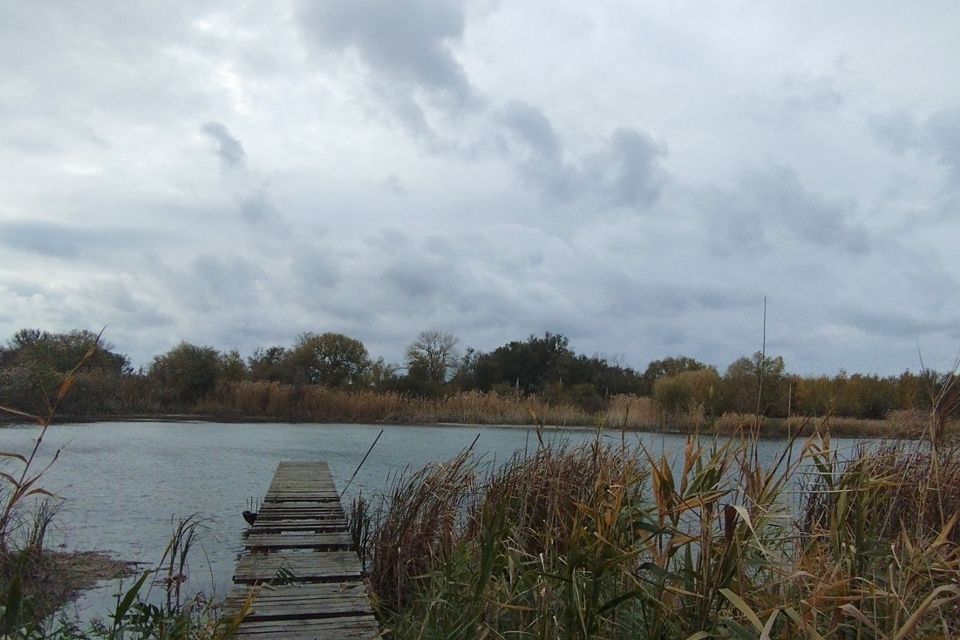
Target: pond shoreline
770 427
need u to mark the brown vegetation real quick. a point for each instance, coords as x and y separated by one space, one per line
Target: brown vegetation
610 542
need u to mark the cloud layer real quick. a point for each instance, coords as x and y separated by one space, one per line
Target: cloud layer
636 177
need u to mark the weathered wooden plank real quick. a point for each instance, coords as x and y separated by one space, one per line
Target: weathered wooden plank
300 510
338 541
304 525
307 566
302 504
300 514
343 628
312 498
299 601
318 512
301 533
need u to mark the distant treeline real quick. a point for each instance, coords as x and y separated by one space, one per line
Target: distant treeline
294 382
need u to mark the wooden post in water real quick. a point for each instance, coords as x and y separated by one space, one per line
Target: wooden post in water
299 570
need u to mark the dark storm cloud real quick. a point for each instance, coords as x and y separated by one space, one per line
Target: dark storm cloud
407 43
228 149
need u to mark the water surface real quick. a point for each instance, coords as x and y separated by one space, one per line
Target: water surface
122 483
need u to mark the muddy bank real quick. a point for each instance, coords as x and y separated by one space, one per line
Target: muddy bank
52 579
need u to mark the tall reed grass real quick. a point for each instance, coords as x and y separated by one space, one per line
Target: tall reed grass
314 403
610 541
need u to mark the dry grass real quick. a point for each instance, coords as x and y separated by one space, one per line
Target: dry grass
610 542
273 400
905 486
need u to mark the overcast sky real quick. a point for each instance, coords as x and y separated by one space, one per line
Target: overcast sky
634 175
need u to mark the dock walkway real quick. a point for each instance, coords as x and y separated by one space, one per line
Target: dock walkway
299 566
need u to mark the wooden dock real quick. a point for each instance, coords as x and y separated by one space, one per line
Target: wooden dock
299 571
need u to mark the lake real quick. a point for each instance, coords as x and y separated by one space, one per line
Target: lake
123 483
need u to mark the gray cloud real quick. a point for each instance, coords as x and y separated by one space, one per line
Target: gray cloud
627 173
772 206
898 129
229 149
257 207
408 45
528 185
254 201
943 133
937 136
43 239
803 93
69 242
533 127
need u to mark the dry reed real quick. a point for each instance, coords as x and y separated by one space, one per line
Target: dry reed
609 542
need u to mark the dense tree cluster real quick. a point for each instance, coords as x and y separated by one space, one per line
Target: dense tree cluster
33 361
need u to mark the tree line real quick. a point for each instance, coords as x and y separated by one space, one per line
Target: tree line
33 361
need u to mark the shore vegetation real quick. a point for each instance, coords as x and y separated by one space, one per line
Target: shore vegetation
611 541
330 377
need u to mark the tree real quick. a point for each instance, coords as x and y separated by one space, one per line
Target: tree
741 385
269 365
60 352
432 357
187 372
383 376
531 366
33 363
234 368
330 359
667 367
689 391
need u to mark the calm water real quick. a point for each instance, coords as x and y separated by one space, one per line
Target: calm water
122 483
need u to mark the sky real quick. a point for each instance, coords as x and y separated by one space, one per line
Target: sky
637 176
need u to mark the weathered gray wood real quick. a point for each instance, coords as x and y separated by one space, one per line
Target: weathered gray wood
343 628
300 514
307 566
301 535
325 505
302 525
298 601
338 541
